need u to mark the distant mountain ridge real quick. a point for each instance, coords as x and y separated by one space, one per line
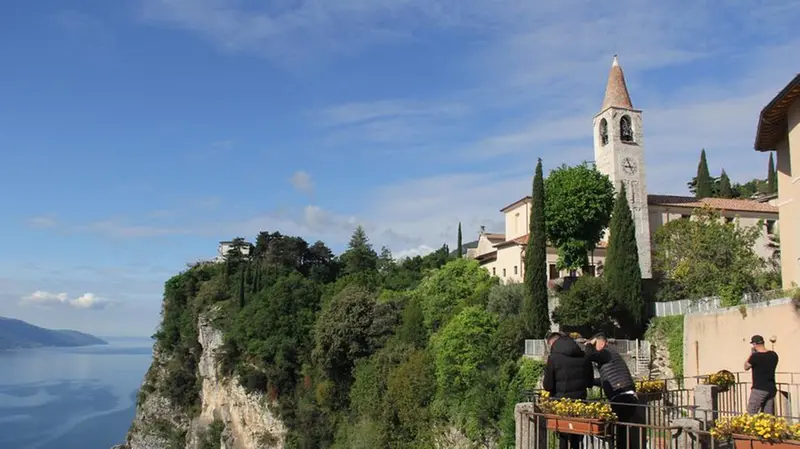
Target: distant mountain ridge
17 334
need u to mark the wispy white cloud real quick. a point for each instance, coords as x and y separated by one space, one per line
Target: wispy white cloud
47 299
355 113
302 182
530 84
44 221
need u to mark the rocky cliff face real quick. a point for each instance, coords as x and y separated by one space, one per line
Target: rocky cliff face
229 417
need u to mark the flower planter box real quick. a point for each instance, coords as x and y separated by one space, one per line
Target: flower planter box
653 396
746 442
578 426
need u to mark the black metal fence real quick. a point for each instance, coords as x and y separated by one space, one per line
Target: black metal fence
651 426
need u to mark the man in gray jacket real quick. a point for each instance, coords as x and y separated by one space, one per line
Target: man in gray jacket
620 389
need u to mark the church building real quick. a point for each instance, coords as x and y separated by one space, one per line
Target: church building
619 152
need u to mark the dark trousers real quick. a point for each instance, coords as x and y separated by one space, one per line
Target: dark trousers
569 441
628 411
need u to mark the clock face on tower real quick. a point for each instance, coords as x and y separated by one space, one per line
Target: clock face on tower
629 166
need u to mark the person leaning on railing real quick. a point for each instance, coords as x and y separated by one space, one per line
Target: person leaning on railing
620 389
567 374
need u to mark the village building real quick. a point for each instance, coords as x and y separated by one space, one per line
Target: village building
779 131
619 152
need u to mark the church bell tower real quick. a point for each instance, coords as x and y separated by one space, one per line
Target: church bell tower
619 153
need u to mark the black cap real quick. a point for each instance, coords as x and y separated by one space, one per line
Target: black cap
757 340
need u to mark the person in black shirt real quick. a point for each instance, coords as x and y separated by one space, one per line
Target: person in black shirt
620 389
763 362
567 374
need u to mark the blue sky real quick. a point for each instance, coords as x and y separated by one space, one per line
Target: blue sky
135 135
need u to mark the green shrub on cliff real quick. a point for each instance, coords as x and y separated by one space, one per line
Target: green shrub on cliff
358 350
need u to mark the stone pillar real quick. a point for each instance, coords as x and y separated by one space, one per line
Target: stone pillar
687 435
531 433
706 398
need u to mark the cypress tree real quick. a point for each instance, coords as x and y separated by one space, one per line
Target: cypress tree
460 247
257 276
772 178
704 188
535 311
725 189
242 276
622 273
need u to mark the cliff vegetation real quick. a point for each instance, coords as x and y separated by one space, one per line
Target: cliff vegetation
355 351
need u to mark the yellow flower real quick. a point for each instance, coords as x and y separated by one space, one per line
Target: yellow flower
578 409
724 379
650 386
762 426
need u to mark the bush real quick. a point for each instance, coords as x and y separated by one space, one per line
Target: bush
506 299
585 307
212 437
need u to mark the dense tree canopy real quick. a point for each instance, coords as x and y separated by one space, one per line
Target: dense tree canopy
355 351
707 256
577 209
586 307
723 187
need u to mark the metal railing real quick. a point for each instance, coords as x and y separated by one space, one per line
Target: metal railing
645 426
636 352
684 306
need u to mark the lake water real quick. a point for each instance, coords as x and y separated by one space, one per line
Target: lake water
71 398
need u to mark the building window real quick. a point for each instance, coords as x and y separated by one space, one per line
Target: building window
515 269
590 271
685 217
604 132
728 219
625 129
504 272
553 271
494 271
770 227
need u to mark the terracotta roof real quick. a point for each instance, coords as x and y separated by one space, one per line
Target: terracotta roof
772 122
524 241
487 257
495 237
716 203
526 199
616 90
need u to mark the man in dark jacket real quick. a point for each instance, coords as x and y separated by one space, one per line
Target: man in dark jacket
567 374
620 389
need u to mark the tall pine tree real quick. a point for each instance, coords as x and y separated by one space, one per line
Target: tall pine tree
704 188
460 246
725 189
622 273
359 257
772 178
535 311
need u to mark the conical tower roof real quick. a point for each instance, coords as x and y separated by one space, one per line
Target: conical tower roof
616 90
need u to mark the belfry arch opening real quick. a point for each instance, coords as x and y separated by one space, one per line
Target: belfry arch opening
603 130
625 129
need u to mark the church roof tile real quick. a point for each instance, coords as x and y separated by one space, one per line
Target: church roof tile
616 90
730 204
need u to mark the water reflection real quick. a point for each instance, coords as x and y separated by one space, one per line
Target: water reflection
70 398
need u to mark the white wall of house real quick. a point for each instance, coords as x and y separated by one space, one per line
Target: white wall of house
517 220
661 215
